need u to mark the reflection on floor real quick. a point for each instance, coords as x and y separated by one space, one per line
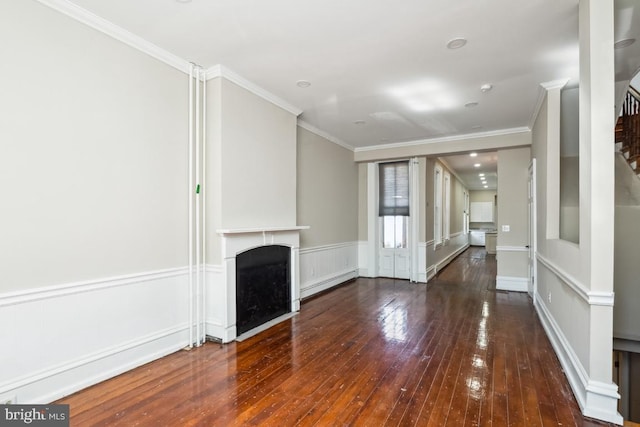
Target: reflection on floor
372 352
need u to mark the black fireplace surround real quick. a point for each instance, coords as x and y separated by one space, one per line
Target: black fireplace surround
263 285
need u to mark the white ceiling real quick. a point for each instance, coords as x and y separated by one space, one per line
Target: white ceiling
379 61
465 168
385 63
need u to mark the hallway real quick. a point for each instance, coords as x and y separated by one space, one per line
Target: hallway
372 352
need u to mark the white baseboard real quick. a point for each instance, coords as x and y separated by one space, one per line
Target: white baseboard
67 337
433 269
509 283
431 272
596 399
323 284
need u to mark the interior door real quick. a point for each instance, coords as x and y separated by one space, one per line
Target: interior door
395 256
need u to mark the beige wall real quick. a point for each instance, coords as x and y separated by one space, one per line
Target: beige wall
482 196
251 162
93 158
362 202
513 194
513 206
258 161
327 194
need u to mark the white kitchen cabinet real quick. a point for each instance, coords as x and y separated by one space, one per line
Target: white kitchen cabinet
481 212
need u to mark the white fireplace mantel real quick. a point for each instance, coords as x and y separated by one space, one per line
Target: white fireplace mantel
237 240
261 229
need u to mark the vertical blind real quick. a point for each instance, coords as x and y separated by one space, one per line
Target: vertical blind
394 189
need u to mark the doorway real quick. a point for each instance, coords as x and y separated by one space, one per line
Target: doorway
393 219
395 257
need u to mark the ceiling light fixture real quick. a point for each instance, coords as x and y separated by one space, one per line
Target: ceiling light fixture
456 43
486 87
471 104
486 186
474 154
480 174
477 165
300 83
623 43
476 127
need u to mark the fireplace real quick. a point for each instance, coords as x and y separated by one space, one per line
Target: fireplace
226 319
263 285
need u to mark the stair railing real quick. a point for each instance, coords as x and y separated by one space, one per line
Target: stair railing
630 121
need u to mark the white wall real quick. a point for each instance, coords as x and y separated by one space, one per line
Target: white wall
93 174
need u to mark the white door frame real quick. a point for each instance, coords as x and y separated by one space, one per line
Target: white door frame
533 233
373 220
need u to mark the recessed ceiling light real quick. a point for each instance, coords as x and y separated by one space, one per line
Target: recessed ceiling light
623 43
456 43
477 165
476 127
300 83
486 186
480 174
471 104
486 87
359 122
474 154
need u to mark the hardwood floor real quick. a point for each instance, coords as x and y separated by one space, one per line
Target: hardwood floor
373 352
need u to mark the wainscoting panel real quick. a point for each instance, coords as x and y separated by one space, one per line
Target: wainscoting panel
216 307
323 267
60 339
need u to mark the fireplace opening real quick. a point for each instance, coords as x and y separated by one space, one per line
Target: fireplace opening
263 285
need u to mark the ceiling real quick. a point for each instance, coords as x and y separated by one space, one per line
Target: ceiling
466 170
380 72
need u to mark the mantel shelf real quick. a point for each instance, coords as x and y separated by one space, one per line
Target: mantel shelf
261 229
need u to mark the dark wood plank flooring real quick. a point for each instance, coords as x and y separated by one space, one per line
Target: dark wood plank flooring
372 352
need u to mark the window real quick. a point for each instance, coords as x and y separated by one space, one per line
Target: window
437 205
394 203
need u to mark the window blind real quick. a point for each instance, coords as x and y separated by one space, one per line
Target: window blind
394 189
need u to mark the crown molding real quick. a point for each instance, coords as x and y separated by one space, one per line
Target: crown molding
222 71
501 132
107 27
542 92
313 129
555 84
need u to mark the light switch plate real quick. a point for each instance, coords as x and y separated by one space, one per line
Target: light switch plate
506 228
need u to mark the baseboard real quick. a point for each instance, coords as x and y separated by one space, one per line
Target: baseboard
595 398
67 337
443 263
431 273
322 284
509 283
